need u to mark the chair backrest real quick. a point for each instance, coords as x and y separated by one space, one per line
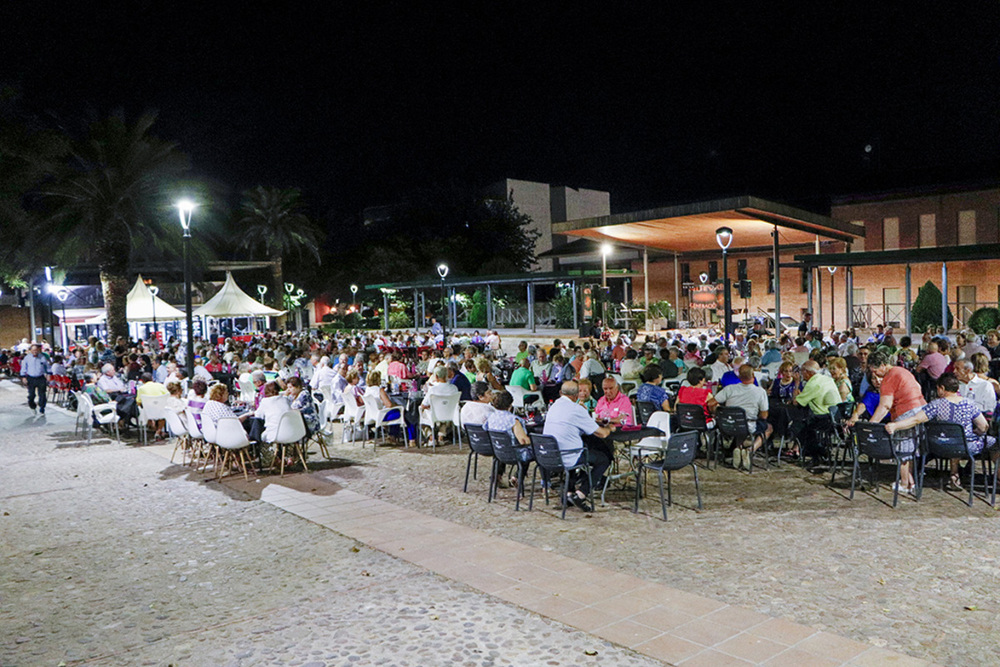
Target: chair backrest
732 422
192 426
681 450
445 408
84 406
208 429
351 408
479 440
175 424
229 434
372 408
691 416
326 391
154 407
291 427
646 410
772 369
547 453
873 440
946 440
660 420
517 393
841 412
504 448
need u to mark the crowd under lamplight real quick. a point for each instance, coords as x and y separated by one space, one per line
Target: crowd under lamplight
606 249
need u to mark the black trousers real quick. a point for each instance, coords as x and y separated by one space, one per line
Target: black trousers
599 453
40 385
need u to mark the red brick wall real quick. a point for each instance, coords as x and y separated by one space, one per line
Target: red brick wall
14 325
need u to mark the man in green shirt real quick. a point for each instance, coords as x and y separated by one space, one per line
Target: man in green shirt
523 377
522 351
819 394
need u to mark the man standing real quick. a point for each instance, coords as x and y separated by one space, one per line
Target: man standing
35 376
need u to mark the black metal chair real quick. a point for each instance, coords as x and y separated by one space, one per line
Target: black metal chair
645 410
947 441
874 442
549 460
682 448
691 417
840 442
479 444
506 451
733 424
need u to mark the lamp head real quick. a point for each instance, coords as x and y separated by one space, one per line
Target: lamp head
831 269
185 207
62 294
606 249
443 270
724 237
262 289
300 293
703 277
154 290
289 287
354 289
48 273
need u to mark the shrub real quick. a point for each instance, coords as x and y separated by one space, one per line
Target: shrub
984 319
927 308
563 306
400 319
477 314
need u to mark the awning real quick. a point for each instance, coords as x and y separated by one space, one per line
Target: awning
143 306
691 227
231 301
965 253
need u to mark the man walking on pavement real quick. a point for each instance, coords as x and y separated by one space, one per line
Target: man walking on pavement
35 376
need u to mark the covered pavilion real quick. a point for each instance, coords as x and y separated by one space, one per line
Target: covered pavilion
689 230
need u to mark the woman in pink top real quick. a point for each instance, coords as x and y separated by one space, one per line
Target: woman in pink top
397 368
614 405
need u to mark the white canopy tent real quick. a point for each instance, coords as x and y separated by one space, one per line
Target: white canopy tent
231 301
141 305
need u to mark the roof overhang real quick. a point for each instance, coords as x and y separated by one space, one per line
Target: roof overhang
965 253
691 227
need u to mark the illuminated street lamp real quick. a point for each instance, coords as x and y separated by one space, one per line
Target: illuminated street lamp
724 237
833 294
185 208
443 272
605 251
62 294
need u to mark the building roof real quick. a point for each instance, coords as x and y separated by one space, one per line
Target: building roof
504 279
691 227
963 253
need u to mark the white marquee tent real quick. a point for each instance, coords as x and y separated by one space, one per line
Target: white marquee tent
231 301
141 305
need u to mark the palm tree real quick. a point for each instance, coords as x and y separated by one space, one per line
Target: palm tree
110 200
272 219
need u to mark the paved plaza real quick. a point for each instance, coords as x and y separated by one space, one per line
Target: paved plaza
114 556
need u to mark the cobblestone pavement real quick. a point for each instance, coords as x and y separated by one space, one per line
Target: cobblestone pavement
110 557
922 579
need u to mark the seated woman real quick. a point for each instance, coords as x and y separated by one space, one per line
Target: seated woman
196 399
376 390
396 367
217 406
502 419
838 371
954 409
176 402
783 387
696 392
271 407
631 367
485 374
584 398
650 390
302 401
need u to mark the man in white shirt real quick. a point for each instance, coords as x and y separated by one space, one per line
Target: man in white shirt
974 388
721 365
568 422
479 408
753 400
110 382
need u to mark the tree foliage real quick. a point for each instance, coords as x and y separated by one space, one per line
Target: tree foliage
927 308
273 221
984 319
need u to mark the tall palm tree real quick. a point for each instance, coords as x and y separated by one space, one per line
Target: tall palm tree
272 220
110 200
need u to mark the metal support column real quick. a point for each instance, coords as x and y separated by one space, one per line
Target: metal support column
576 312
944 296
909 320
416 308
534 322
677 289
31 308
645 280
809 291
531 309
777 285
819 298
489 306
385 309
850 297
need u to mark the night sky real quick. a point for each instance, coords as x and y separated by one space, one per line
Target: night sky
358 102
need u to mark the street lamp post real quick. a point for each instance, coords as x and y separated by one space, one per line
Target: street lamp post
51 288
833 294
724 237
289 288
443 272
153 291
605 251
185 208
62 294
299 294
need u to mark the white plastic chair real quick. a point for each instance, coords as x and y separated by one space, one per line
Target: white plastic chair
245 386
519 394
291 432
105 414
354 414
152 408
196 438
376 417
208 430
177 429
653 444
443 409
231 440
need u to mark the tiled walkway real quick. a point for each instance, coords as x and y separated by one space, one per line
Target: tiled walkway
671 625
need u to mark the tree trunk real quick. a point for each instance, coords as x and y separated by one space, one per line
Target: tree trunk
278 289
116 287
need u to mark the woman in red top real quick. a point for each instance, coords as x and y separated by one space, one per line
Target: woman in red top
698 392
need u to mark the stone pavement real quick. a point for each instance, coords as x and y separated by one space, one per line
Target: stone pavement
239 582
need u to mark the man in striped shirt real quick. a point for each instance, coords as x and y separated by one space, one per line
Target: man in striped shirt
34 375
